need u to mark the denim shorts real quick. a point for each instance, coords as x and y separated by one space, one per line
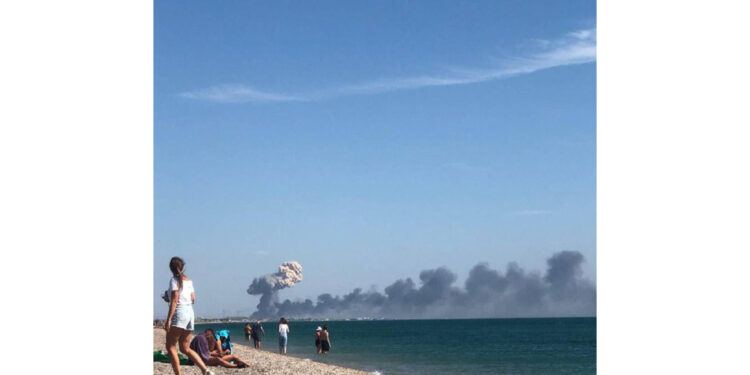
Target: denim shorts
282 341
184 317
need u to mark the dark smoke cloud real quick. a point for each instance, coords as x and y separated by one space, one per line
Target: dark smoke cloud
266 286
487 292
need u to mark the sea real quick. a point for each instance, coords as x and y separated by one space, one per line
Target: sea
445 346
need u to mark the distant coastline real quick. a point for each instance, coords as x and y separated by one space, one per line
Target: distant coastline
235 319
248 319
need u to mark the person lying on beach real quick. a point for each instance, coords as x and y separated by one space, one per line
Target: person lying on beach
325 340
202 344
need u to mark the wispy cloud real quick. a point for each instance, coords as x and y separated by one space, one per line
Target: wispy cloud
577 47
236 94
261 252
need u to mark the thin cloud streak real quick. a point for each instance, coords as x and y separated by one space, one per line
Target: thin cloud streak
578 47
237 94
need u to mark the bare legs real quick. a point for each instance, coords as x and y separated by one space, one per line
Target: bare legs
237 360
226 361
173 335
181 336
185 349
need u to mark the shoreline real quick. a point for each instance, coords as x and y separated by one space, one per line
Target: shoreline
247 320
261 362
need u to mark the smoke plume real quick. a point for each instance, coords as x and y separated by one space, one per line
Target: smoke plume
289 273
514 292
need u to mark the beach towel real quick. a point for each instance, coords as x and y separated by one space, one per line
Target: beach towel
160 356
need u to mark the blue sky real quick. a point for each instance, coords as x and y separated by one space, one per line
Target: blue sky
369 141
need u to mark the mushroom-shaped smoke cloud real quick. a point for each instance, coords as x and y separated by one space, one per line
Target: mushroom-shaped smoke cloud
289 273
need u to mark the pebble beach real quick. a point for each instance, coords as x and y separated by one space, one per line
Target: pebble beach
261 362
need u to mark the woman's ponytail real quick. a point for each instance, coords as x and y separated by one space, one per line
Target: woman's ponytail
176 264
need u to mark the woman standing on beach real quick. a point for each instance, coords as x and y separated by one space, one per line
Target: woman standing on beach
181 319
283 332
325 340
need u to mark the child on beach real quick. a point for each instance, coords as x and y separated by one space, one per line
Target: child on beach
181 318
283 332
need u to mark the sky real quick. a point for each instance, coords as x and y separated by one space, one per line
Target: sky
369 141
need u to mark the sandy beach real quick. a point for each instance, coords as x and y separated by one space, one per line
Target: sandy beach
261 362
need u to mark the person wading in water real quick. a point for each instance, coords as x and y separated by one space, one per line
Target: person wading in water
325 340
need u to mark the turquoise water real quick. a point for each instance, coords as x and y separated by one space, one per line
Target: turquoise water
476 346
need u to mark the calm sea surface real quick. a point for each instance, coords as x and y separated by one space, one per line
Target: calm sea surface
476 346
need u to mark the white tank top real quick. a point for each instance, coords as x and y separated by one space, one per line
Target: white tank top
184 297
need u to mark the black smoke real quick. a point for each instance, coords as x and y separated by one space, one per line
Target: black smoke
561 291
267 296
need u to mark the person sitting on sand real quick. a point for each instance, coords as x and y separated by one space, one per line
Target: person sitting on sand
283 332
317 339
181 318
214 345
220 346
325 340
209 349
257 333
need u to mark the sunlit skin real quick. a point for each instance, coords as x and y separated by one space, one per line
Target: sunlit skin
220 357
177 335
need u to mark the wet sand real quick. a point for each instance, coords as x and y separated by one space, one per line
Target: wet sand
261 362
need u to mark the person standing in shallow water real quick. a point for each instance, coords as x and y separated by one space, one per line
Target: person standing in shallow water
248 331
283 332
317 339
181 318
325 340
257 333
